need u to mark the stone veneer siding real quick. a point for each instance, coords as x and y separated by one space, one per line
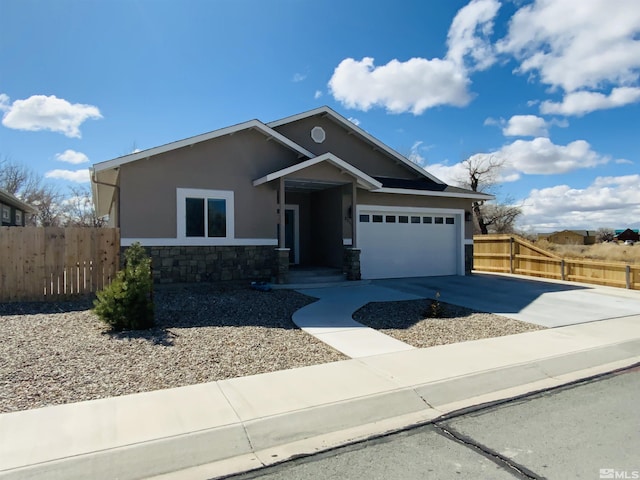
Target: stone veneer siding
212 263
351 263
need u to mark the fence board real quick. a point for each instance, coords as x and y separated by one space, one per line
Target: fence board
512 254
51 263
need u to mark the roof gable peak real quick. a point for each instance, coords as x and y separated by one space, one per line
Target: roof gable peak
329 112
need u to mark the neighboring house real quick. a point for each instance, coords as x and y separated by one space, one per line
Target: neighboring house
571 237
628 234
210 207
13 212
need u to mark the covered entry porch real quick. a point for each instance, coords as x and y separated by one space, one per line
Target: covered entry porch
316 209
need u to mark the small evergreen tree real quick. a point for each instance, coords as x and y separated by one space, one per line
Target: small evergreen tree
127 303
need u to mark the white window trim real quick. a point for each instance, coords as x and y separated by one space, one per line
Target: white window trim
18 217
6 210
181 196
197 242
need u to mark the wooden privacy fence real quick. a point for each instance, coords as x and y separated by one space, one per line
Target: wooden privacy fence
51 263
512 254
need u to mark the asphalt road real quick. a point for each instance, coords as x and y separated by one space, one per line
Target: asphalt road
588 431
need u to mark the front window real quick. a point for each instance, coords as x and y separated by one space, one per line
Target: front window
6 214
205 214
206 217
19 217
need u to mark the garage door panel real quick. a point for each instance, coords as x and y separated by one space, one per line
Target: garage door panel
393 249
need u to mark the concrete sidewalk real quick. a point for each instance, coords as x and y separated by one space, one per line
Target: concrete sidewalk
213 429
330 319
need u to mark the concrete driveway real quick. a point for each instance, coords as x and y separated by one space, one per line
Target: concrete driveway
551 304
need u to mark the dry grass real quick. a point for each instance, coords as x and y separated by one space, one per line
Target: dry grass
607 252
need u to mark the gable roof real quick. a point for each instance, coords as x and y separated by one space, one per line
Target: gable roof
364 180
336 117
8 198
251 124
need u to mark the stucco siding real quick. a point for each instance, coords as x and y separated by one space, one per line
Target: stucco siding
148 187
348 147
322 172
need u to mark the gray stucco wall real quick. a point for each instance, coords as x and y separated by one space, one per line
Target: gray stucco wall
148 187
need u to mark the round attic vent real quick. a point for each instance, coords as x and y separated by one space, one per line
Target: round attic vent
318 134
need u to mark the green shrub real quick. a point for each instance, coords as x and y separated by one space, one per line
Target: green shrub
127 304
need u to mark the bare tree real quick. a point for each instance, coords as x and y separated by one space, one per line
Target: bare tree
28 186
605 235
79 210
482 173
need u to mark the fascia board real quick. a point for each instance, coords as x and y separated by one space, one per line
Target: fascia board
364 179
429 193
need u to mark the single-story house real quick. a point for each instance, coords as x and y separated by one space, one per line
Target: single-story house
628 234
13 211
571 237
253 199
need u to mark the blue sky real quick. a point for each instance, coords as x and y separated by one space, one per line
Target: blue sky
550 88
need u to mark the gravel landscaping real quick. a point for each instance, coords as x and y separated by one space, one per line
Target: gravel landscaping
409 322
54 353
60 353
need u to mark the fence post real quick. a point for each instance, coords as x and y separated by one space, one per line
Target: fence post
562 269
511 254
627 275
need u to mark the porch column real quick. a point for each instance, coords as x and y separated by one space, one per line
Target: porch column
281 240
351 256
282 253
354 216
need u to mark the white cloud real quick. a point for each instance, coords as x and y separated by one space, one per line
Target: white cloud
581 103
71 156
525 126
4 102
532 157
417 84
577 44
449 174
318 94
411 86
79 176
415 156
298 77
542 157
468 40
624 161
40 112
354 120
608 202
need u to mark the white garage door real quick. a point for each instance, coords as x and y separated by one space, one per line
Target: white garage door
408 244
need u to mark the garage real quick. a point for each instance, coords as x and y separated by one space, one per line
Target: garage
409 242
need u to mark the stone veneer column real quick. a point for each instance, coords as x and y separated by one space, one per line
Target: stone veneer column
351 263
282 265
468 259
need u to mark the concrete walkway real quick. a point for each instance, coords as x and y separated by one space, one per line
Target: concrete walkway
330 319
